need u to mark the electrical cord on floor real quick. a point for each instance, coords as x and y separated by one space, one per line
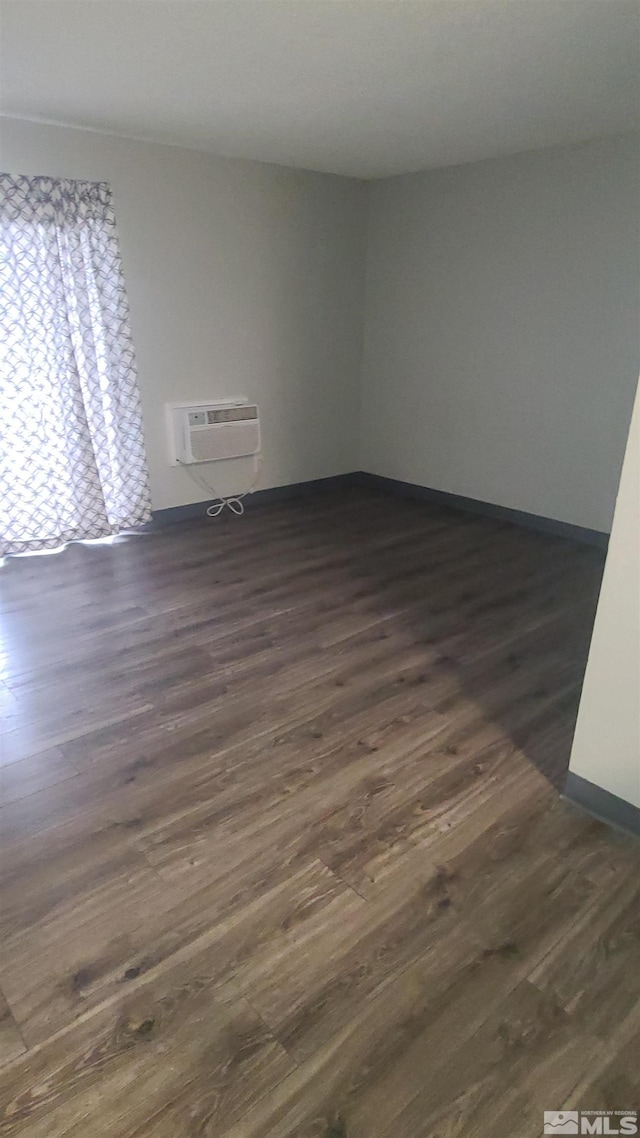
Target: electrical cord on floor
232 502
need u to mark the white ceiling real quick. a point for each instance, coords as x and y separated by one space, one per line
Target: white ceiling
361 87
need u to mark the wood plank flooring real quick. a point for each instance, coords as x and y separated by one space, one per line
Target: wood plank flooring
282 853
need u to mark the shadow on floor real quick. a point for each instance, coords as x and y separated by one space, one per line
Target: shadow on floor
504 611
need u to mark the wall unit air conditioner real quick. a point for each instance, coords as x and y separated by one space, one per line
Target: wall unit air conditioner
210 432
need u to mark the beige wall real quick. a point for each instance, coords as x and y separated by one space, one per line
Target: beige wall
606 747
243 278
501 347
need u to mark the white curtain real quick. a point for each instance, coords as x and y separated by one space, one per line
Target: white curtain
72 460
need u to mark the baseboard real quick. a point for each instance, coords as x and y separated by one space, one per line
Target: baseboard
405 490
602 804
488 509
271 494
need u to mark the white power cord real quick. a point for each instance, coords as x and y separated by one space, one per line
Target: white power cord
233 502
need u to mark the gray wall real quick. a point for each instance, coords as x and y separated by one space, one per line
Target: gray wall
500 349
501 344
243 278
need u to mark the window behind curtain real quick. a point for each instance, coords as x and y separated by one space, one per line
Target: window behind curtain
72 459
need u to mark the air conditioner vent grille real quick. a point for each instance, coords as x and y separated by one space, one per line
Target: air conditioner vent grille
232 414
227 440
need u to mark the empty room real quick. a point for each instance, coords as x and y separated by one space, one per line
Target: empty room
319 568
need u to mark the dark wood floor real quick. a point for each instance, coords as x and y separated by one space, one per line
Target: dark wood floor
282 852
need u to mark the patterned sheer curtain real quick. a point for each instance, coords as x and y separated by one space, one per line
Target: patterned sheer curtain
72 460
